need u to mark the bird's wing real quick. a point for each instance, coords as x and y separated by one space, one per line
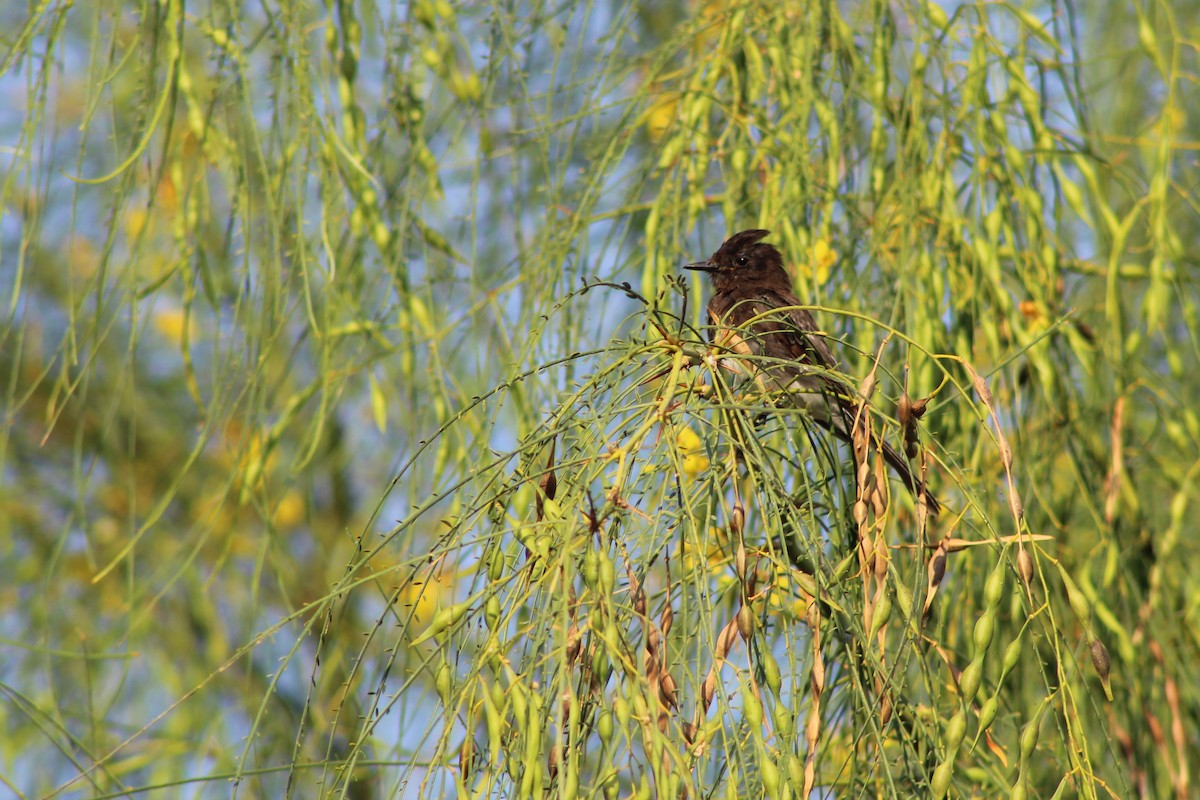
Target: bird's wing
781 329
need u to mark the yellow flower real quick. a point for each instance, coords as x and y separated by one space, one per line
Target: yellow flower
689 446
821 261
168 323
660 116
290 511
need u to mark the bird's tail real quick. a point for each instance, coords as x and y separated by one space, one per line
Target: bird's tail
900 466
841 424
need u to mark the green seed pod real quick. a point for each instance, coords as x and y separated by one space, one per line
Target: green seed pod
994 587
985 627
987 713
601 665
491 612
442 682
1029 736
941 778
783 721
883 611
771 674
968 684
1011 654
770 776
608 575
604 726
621 708
956 729
795 770
1079 602
752 708
590 568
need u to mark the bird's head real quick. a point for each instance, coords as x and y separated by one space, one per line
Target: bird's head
744 258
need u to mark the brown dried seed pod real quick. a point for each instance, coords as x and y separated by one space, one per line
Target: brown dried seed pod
689 732
1005 454
639 602
737 518
668 690
708 690
867 387
552 760
879 501
574 643
981 386
653 640
465 754
1017 506
1100 659
726 638
745 622
666 619
1025 565
919 406
904 409
937 567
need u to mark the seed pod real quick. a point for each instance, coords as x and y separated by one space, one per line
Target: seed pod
1029 735
752 707
442 682
968 683
1025 566
783 721
604 726
668 691
1011 654
491 612
1078 600
985 626
994 587
607 574
589 569
1101 662
708 690
745 622
956 729
771 674
987 713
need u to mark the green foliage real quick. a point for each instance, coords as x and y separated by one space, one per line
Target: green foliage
360 436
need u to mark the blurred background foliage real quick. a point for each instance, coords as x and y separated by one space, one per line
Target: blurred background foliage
357 438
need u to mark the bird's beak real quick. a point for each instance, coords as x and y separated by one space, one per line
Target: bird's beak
702 266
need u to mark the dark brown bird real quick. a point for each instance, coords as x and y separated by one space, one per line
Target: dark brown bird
755 314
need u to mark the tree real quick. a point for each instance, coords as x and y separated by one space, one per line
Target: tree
362 435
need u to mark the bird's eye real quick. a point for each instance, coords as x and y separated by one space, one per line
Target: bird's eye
741 260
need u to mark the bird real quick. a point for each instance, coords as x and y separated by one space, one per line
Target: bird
754 314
